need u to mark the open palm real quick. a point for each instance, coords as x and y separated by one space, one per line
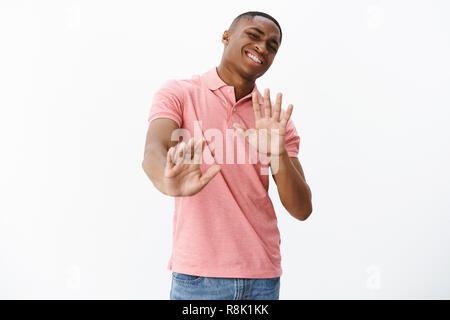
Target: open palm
269 135
182 174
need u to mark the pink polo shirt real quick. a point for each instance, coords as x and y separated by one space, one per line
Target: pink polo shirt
228 229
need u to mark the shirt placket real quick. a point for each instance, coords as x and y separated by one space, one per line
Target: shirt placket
232 108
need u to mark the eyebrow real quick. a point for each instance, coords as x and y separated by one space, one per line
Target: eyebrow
262 32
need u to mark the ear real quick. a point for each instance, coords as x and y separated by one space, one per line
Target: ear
226 37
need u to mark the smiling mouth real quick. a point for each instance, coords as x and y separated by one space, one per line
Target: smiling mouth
253 58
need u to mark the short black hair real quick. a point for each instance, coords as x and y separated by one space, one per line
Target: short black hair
252 14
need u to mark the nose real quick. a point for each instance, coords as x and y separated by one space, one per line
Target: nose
263 51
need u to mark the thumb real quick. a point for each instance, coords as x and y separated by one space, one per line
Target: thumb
209 174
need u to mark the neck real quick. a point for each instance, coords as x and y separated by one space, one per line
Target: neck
242 86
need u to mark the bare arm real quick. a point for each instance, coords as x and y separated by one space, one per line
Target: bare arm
295 194
174 168
157 144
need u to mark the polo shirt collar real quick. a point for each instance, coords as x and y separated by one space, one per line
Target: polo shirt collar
214 82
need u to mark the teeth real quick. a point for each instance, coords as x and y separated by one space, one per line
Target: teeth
254 58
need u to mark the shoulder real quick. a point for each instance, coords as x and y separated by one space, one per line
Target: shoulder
182 86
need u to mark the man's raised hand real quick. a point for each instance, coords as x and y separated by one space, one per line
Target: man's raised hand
182 174
268 136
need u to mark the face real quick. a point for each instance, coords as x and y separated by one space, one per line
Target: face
258 37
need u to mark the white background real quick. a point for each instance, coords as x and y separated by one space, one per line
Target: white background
369 81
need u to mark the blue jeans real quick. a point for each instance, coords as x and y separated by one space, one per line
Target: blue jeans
187 287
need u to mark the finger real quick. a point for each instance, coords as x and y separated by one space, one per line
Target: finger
203 143
189 150
198 151
256 106
179 155
173 155
193 148
276 114
209 174
186 153
181 152
169 159
267 104
287 115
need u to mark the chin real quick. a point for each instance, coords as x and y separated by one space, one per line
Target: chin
250 72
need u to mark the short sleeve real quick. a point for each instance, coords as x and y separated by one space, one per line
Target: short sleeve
168 103
292 139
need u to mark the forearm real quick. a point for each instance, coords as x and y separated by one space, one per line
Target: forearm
154 164
295 194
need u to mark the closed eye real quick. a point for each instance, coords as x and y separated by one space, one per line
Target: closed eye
254 36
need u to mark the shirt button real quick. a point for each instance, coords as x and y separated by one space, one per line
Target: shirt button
229 90
234 109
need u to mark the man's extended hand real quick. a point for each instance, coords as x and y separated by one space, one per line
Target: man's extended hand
269 134
182 174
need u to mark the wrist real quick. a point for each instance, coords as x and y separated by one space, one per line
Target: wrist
161 186
283 153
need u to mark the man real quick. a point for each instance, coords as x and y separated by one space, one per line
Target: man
226 243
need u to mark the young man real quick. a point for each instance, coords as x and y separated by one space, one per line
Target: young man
226 243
